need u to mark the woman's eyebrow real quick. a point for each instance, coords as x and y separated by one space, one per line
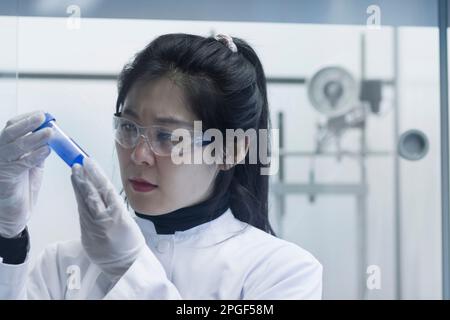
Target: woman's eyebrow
172 120
130 112
160 120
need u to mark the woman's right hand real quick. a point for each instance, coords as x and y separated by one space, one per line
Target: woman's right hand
22 155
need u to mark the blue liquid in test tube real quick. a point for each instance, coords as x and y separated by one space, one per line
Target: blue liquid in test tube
62 144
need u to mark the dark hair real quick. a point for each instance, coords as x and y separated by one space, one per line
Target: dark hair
226 90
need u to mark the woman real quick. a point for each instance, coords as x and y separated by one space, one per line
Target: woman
201 230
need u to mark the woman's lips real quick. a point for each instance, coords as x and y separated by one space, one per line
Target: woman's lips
140 185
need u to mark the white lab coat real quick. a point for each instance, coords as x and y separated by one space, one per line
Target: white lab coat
221 259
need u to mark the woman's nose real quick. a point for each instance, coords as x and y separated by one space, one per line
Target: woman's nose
143 153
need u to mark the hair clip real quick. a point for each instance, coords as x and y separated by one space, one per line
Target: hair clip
227 40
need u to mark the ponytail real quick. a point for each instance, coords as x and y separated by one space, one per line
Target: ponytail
249 188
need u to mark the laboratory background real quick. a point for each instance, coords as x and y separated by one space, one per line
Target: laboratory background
357 89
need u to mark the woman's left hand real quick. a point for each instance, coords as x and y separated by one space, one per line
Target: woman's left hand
110 236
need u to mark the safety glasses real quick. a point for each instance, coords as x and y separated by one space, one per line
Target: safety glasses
161 139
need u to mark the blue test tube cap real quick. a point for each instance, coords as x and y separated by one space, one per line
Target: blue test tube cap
48 118
68 150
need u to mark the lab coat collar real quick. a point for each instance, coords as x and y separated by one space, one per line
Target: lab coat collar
223 227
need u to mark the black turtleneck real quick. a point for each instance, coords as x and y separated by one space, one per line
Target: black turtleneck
188 217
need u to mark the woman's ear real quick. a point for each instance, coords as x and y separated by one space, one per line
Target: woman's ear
235 153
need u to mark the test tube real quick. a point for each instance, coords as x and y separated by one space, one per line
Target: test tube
62 144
